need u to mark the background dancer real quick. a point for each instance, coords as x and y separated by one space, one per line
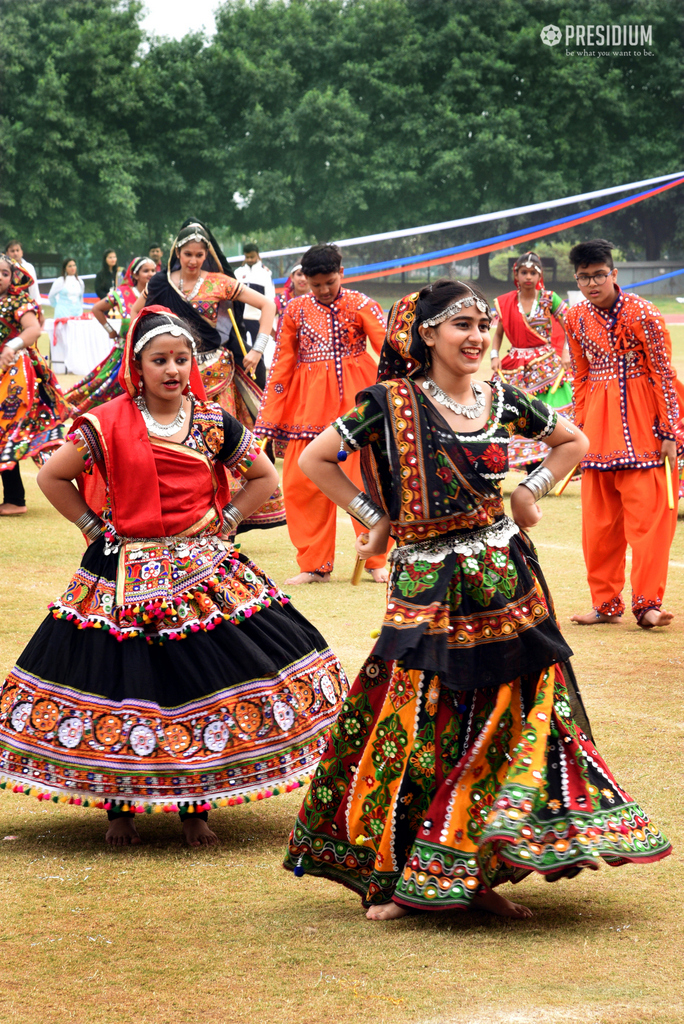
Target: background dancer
462 757
32 406
628 401
15 251
297 284
320 364
196 283
102 384
220 689
531 317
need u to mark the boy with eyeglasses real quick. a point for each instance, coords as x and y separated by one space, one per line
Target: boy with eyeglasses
628 402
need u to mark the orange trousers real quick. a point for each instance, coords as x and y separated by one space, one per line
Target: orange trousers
628 506
312 517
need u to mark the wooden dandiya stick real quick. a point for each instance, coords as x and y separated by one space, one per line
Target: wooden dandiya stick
668 478
359 563
557 383
565 481
237 332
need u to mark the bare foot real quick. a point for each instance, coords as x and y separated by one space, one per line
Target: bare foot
594 618
307 577
122 832
653 617
378 575
496 904
12 510
198 833
386 912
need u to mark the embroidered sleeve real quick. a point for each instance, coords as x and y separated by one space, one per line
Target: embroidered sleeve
559 308
658 351
373 320
86 439
28 306
580 366
240 447
531 418
361 425
231 288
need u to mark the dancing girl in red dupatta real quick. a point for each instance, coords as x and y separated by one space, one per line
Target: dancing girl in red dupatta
172 674
32 406
114 313
462 757
538 360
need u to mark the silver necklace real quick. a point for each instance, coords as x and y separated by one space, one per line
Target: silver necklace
471 412
160 429
193 293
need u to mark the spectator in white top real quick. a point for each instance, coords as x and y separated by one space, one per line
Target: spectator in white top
258 277
14 249
66 294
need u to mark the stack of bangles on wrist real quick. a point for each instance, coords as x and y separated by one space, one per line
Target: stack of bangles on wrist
365 511
539 482
260 342
15 345
232 517
90 524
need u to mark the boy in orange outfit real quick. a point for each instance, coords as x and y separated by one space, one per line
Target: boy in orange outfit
320 365
626 401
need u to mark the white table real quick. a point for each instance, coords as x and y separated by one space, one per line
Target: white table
77 346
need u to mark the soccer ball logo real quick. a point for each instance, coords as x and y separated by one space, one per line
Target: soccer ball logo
551 35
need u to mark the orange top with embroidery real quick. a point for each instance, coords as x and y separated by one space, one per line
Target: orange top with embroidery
321 363
626 394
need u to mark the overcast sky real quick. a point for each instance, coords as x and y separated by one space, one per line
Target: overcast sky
176 18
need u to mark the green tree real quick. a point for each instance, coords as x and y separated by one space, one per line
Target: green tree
70 95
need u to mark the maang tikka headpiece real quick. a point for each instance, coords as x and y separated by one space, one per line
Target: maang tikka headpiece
172 327
456 307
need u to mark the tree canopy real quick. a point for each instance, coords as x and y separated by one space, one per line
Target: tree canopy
336 117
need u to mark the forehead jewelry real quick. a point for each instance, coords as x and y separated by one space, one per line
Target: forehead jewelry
172 328
530 263
456 307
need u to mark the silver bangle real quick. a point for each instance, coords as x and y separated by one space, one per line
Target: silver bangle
232 517
365 511
260 342
15 345
494 353
90 524
539 482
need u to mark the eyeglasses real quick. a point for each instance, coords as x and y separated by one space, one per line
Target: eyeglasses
585 279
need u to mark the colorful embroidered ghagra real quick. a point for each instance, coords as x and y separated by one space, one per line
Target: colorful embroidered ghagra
462 756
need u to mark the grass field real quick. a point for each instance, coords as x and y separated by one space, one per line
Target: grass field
163 935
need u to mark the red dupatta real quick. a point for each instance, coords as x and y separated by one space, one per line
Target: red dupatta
141 472
517 328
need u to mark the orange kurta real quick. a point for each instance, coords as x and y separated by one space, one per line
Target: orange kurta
321 363
627 401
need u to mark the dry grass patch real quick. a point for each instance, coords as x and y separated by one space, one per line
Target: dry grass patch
164 935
